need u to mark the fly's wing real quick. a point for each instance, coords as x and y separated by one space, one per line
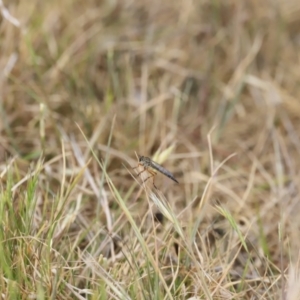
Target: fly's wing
162 170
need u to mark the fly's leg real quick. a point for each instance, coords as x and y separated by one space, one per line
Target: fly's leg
141 172
136 167
154 183
152 176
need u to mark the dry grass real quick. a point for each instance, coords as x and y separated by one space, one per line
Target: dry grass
208 88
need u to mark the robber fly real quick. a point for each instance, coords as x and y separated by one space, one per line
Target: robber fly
151 167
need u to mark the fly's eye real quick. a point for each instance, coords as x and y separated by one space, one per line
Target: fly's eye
141 158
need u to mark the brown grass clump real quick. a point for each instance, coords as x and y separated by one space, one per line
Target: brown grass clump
209 89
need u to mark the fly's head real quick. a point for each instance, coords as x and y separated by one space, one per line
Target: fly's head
144 161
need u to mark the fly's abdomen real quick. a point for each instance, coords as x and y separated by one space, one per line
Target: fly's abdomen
165 172
171 177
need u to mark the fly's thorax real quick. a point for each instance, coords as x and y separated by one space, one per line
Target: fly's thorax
151 170
145 161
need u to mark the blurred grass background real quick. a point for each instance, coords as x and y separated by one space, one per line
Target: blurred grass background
208 88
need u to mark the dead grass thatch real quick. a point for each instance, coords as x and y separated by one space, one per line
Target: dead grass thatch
209 89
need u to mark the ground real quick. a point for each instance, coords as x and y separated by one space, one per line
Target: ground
207 89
